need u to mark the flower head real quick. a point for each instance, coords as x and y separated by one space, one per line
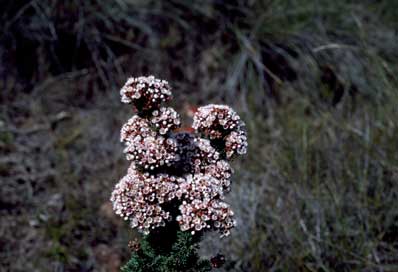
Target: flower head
135 127
221 123
216 121
138 198
200 214
145 93
152 151
203 206
236 143
222 171
165 119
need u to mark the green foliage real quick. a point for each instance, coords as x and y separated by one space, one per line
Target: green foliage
167 250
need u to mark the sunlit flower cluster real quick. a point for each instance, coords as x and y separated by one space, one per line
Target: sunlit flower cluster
203 206
165 119
144 146
201 214
216 120
220 122
138 198
151 152
145 92
135 127
222 171
236 142
180 170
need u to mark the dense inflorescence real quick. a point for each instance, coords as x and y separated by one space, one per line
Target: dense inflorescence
165 119
151 152
180 170
220 122
137 197
145 92
202 206
216 120
135 127
236 142
222 171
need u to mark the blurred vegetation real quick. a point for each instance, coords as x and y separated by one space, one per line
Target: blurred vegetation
316 82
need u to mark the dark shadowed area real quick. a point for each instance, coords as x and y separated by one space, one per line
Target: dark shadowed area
316 82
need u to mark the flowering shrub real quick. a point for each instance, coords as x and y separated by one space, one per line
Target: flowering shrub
177 180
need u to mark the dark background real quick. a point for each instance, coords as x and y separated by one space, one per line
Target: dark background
315 81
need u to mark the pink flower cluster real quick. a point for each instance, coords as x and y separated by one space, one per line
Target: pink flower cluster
137 197
203 206
171 169
165 119
145 92
220 122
